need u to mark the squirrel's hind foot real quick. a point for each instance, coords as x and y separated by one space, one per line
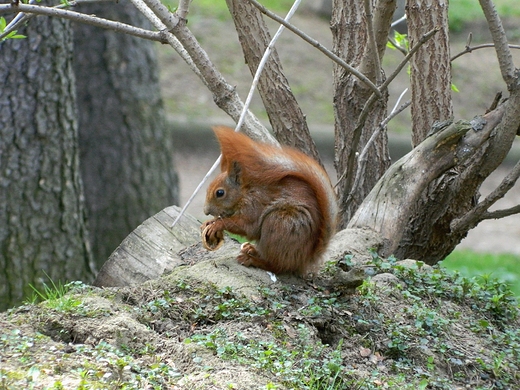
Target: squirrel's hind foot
248 255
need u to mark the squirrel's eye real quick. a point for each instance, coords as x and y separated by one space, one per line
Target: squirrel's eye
220 193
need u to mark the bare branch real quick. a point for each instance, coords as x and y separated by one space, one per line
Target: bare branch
396 45
318 46
372 41
396 22
17 21
368 105
172 40
183 8
263 62
505 59
469 49
362 162
501 213
224 94
480 211
82 18
425 38
150 15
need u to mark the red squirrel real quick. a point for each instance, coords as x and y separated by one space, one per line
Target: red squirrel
278 197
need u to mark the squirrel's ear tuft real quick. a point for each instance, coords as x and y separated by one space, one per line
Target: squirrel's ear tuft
235 173
225 136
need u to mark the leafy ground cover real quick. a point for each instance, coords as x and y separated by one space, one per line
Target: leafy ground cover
502 266
406 326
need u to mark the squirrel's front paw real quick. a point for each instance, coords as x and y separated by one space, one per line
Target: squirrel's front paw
212 236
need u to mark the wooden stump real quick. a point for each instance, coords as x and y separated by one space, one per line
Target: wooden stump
150 251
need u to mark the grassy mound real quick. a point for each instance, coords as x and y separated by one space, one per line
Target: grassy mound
407 326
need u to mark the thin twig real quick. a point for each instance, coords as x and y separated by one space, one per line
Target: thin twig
247 103
263 61
362 161
318 46
151 16
397 46
196 191
396 22
170 20
392 41
497 214
172 40
224 94
425 38
86 19
469 49
17 21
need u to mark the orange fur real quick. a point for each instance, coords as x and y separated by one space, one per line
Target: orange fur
279 197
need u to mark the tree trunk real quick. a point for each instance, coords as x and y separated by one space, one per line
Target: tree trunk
42 217
286 117
455 158
425 228
430 75
126 148
350 42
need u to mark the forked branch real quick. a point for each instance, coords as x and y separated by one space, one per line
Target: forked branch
86 19
480 211
318 46
349 173
224 94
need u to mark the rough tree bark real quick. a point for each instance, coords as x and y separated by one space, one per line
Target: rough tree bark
42 216
430 68
431 232
351 42
126 148
287 119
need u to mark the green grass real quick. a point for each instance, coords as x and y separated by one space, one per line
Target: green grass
219 9
462 11
505 267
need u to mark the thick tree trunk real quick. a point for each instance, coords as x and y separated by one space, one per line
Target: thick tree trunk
351 42
126 148
42 218
286 117
397 207
427 229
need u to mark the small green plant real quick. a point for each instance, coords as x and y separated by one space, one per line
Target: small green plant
503 266
56 295
11 35
399 41
308 365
